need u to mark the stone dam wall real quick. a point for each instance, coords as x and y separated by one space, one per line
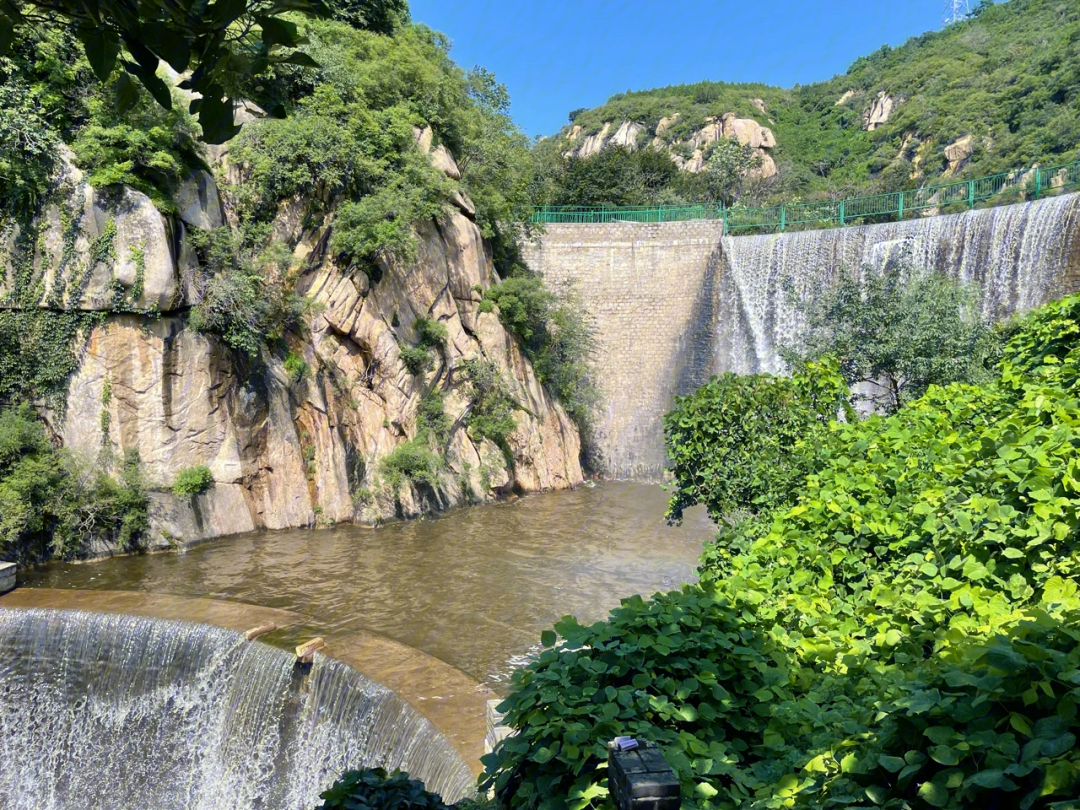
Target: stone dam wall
675 303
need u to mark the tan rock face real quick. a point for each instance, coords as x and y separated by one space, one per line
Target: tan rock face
959 152
97 250
879 112
286 452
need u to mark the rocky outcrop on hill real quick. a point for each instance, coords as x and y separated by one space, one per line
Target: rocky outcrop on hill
879 112
744 130
286 448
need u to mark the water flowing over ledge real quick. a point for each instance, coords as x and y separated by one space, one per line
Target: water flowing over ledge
105 712
676 302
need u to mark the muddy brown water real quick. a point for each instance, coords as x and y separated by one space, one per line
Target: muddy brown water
474 588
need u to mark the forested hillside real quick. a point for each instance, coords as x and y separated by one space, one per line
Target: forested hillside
998 91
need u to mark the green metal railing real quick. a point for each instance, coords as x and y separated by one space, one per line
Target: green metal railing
1029 184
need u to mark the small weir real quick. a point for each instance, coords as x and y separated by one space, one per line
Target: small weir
106 712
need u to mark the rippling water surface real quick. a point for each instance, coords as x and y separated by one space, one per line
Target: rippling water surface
474 588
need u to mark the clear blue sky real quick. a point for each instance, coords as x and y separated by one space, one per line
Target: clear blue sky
556 56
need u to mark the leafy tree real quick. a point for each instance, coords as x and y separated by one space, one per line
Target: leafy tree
897 333
728 165
736 444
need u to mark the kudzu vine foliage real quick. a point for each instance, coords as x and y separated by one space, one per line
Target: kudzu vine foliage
904 633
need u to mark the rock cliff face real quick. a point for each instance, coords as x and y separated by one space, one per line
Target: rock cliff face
285 450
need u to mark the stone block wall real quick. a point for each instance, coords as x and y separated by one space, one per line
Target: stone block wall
652 289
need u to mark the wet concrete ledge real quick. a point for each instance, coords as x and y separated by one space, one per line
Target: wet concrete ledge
453 702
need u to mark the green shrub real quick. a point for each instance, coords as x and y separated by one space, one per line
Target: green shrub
412 461
295 367
737 443
148 147
52 505
191 481
902 633
557 336
491 411
374 790
431 417
245 291
432 333
417 359
899 332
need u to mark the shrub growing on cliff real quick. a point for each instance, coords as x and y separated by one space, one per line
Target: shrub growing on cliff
556 334
191 481
50 504
904 633
491 408
245 292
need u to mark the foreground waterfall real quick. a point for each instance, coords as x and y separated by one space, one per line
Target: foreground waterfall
1020 255
116 712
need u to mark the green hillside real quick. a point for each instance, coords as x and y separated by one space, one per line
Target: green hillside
1009 77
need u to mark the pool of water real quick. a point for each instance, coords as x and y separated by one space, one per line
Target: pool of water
474 588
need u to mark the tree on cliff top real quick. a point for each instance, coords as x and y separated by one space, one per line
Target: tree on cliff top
220 43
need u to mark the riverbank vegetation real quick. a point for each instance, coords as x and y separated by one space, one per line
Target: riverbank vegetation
899 631
1004 83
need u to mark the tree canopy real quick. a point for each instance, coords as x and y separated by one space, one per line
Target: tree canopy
216 45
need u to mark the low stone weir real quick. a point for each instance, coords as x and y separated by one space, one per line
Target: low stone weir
677 302
105 712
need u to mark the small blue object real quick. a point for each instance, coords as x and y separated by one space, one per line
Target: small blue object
625 743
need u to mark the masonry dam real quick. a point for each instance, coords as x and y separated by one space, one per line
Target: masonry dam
677 302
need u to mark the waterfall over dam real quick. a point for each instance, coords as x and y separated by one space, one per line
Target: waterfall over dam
677 302
103 712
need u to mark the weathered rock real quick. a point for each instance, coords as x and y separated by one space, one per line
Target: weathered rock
959 152
592 144
747 131
197 202
100 250
627 135
879 112
846 97
7 576
666 124
760 104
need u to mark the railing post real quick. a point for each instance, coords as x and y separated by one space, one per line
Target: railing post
843 221
783 218
900 206
1038 182
971 194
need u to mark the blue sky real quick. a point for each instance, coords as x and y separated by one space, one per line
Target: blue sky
556 56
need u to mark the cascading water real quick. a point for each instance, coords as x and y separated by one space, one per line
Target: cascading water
1019 254
102 712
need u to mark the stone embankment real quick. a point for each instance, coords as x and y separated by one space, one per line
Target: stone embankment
285 450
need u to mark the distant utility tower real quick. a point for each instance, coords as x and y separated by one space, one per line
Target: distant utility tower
955 10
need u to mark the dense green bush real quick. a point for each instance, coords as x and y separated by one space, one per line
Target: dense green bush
740 443
557 336
374 790
53 505
492 405
414 462
904 634
192 481
245 290
147 147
